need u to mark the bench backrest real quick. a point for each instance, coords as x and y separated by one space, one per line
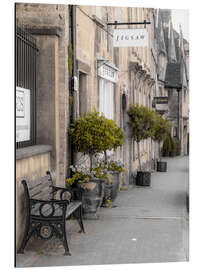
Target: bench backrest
40 188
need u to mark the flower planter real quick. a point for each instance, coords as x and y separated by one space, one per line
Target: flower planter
161 166
166 154
111 189
115 186
143 178
93 193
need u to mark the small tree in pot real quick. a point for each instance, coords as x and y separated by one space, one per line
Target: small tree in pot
93 134
141 124
168 145
115 138
161 128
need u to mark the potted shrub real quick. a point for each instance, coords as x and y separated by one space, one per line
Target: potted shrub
112 186
161 128
141 124
91 180
176 148
93 134
167 146
114 139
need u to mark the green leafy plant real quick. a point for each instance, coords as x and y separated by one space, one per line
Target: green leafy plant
141 123
82 174
176 147
168 145
110 165
93 133
161 128
114 136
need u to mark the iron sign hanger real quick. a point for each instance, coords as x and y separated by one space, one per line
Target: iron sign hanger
116 23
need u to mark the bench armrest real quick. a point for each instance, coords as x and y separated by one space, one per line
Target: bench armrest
34 201
76 193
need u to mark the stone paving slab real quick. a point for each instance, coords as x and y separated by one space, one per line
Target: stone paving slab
115 241
148 224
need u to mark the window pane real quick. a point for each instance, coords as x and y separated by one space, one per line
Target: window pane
106 98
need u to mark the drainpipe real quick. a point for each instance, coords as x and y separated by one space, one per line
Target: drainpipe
178 123
74 74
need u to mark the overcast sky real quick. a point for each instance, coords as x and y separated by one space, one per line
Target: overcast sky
181 16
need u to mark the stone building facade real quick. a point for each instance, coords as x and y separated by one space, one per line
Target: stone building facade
175 80
104 78
49 25
133 69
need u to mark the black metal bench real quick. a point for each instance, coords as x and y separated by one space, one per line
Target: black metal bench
48 208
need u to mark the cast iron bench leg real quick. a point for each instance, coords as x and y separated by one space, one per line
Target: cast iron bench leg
65 243
78 216
26 237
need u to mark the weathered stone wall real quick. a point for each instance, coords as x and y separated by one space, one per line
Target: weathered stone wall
50 25
93 42
31 163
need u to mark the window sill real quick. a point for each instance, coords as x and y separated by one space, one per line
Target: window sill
32 151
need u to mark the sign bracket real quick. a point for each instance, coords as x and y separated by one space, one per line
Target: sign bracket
116 23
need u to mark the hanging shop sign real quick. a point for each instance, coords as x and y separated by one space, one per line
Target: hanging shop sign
130 37
161 104
22 114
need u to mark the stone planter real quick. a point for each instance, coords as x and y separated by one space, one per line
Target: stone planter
161 166
166 154
115 186
111 189
93 194
143 178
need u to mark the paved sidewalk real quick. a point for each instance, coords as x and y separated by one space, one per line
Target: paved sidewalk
149 224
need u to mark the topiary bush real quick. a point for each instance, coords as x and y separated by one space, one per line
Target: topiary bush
141 123
161 128
176 147
167 146
92 134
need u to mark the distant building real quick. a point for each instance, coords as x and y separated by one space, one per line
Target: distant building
173 75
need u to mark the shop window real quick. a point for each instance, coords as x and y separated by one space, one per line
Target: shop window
25 68
108 76
106 98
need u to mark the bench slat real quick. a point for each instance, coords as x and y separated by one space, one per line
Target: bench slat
46 210
34 183
41 193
